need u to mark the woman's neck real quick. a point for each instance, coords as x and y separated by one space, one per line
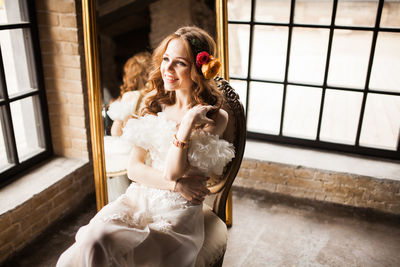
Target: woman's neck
182 104
183 99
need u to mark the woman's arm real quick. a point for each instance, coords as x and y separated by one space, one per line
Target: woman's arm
176 163
116 128
140 172
192 189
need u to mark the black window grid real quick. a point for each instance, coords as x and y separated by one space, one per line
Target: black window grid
319 144
17 166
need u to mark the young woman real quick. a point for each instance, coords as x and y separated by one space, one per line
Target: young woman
176 147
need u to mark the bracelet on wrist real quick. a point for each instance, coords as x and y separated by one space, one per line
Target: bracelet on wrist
178 143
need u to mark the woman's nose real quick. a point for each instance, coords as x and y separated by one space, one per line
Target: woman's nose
170 66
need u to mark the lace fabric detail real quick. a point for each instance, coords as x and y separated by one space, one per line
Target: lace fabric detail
161 224
140 220
125 219
151 212
159 199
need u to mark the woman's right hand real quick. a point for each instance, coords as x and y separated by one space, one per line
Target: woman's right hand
192 188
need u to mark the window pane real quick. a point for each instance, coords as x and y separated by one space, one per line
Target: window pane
4 164
308 55
18 60
269 52
28 127
239 10
391 14
340 116
356 13
239 36
386 65
13 11
272 11
265 107
301 111
349 58
313 12
240 88
381 122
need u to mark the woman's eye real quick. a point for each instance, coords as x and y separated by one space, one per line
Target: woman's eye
181 63
165 59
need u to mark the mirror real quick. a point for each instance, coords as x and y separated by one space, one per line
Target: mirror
115 31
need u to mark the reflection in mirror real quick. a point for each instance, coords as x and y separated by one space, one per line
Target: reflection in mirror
128 31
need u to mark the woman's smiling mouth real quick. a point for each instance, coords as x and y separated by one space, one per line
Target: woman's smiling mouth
170 79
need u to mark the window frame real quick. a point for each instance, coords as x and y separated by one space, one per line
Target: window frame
317 143
18 167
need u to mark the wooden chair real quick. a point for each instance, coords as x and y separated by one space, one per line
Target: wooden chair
215 239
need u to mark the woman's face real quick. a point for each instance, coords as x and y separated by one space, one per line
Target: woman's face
175 67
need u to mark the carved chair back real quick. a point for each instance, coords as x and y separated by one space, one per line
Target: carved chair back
235 133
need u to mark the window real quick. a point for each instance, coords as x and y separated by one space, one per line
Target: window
321 73
24 134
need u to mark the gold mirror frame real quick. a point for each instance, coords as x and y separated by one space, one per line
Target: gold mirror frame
94 90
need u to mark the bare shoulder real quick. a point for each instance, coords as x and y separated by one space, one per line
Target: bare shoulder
222 117
130 96
221 120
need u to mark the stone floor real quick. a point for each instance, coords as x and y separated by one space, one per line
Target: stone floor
273 231
267 231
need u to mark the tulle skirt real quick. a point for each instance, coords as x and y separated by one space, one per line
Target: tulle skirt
143 227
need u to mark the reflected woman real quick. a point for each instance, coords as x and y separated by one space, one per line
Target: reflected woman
127 105
136 73
176 147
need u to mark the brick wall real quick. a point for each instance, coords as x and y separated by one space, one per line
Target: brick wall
313 184
26 222
63 67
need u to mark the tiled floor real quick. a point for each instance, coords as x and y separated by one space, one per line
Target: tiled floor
267 231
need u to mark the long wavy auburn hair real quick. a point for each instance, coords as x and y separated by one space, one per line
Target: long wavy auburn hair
136 72
204 91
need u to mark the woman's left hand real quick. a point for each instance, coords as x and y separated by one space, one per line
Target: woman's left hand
198 115
192 188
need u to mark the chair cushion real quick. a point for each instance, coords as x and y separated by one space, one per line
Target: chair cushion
215 239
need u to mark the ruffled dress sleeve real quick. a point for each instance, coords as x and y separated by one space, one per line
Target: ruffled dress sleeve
124 107
209 153
152 133
120 110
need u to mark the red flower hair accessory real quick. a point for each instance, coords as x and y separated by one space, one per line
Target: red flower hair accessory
209 65
202 58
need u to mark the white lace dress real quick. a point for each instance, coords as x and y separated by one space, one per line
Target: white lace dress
148 226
